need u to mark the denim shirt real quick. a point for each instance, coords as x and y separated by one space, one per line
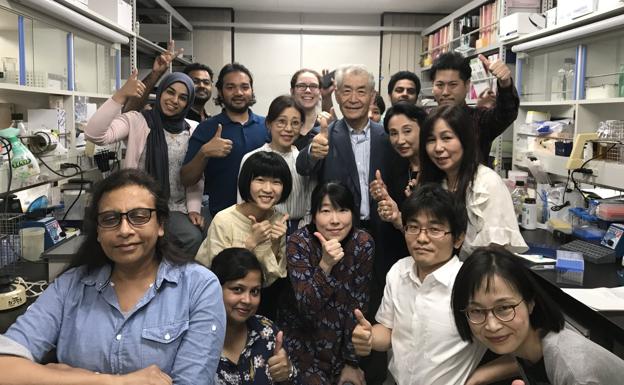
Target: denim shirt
178 325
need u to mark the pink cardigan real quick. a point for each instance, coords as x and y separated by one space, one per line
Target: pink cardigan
108 125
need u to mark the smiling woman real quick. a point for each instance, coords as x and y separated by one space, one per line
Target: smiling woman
132 307
156 141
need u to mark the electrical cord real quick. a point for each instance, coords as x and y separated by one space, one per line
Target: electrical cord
33 289
8 147
79 191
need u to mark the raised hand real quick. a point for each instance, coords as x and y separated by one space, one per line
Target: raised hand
377 187
217 147
260 233
133 87
319 148
279 365
279 228
161 63
498 69
362 336
332 252
197 219
151 375
411 185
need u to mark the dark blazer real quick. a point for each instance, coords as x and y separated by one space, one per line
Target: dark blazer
339 165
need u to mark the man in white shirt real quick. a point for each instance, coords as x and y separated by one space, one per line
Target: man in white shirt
415 318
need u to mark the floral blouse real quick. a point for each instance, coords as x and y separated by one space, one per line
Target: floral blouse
252 367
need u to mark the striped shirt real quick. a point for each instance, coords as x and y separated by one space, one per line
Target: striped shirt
298 203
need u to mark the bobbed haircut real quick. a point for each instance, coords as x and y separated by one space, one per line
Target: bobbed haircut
379 102
451 61
354 69
227 69
295 76
90 253
264 164
198 67
339 196
234 263
401 75
478 272
278 105
438 203
460 122
412 112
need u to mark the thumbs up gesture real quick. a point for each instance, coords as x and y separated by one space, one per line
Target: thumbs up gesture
133 87
319 148
260 233
279 228
378 189
362 336
332 252
278 363
217 147
498 69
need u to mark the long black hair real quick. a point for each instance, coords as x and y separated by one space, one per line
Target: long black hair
459 121
90 253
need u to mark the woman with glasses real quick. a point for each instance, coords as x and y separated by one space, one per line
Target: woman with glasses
305 88
449 155
330 268
497 301
130 310
283 121
156 141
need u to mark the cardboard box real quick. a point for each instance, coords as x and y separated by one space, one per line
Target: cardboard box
521 23
571 9
117 11
46 119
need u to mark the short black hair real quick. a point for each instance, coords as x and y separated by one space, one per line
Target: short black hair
198 67
234 263
293 80
439 203
339 196
229 68
451 61
90 253
278 105
479 270
379 102
411 111
456 117
266 164
408 75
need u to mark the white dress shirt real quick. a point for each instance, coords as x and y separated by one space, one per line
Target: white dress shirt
426 347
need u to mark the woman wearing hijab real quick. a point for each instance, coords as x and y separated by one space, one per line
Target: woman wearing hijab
156 140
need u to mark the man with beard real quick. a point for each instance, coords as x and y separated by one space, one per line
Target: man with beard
201 75
219 143
404 86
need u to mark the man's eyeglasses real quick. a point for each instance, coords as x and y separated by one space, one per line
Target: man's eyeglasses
205 82
303 86
136 217
432 232
282 123
504 313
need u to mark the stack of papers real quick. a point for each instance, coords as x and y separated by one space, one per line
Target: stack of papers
534 258
601 298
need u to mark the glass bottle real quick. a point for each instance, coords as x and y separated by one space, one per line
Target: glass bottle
17 121
568 67
518 195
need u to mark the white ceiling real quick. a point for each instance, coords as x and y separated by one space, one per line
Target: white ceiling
329 6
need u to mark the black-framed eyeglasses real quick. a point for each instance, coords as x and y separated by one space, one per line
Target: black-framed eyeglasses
136 217
205 82
282 123
303 86
504 313
432 232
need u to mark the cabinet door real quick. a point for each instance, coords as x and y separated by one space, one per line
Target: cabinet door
604 71
548 74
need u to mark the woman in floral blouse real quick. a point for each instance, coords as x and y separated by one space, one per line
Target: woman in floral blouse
253 351
329 266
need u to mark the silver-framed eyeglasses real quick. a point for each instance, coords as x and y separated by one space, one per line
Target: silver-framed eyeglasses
504 313
136 217
303 86
431 232
282 123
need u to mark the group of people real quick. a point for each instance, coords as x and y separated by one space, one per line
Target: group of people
317 227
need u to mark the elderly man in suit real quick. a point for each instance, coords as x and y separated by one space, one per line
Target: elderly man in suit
351 150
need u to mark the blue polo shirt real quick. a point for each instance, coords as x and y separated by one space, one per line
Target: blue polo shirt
221 174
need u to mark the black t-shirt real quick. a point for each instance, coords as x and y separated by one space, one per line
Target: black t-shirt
535 374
